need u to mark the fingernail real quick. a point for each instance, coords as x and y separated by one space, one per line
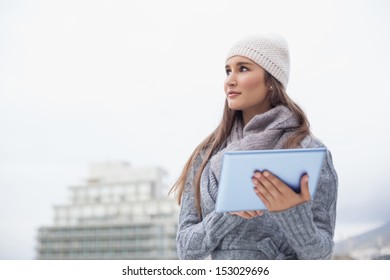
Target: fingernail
266 174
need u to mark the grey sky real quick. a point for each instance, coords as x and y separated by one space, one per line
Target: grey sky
141 81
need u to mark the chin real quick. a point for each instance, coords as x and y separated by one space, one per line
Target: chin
234 107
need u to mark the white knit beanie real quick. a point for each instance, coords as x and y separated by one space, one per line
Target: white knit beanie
270 51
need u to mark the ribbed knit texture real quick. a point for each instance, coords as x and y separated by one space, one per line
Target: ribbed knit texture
270 51
267 127
301 232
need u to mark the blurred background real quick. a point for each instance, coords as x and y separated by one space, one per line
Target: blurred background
88 81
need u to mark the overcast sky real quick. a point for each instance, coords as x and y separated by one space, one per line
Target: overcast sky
142 81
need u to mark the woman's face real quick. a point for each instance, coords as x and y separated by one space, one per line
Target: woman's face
245 87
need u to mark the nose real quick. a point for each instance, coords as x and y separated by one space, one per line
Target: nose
231 80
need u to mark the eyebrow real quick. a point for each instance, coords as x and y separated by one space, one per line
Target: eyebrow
240 63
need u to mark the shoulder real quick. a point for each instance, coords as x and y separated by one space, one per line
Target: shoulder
328 169
195 165
311 141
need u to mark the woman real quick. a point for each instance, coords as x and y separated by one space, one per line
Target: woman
258 114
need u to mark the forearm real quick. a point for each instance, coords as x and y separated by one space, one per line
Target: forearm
308 239
196 240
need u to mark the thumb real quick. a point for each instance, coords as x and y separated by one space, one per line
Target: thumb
305 194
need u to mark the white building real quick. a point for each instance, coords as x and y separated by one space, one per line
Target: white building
121 212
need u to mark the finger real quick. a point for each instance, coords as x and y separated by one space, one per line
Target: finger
262 198
242 214
268 185
248 214
235 213
257 172
259 187
305 194
253 214
279 185
255 177
259 213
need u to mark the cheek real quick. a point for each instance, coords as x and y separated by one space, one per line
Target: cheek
251 82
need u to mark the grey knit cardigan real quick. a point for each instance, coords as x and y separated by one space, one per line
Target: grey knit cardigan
302 232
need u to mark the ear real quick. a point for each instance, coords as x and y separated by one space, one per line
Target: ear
269 85
271 94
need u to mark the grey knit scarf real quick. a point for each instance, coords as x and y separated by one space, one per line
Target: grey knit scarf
265 131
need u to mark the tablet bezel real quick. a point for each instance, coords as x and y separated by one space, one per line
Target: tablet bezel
287 164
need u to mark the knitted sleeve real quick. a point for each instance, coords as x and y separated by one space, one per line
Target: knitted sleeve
309 227
197 239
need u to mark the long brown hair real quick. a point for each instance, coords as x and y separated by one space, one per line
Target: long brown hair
213 142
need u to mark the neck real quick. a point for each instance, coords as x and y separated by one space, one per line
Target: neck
248 114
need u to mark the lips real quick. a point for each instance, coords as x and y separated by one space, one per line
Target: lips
233 93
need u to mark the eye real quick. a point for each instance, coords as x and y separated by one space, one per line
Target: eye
228 71
243 69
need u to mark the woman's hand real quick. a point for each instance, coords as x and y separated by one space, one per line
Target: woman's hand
276 195
248 214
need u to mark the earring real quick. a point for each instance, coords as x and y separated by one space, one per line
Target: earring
270 87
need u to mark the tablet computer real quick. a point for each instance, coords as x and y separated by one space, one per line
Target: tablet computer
235 190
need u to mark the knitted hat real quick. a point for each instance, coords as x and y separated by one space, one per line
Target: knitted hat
270 51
